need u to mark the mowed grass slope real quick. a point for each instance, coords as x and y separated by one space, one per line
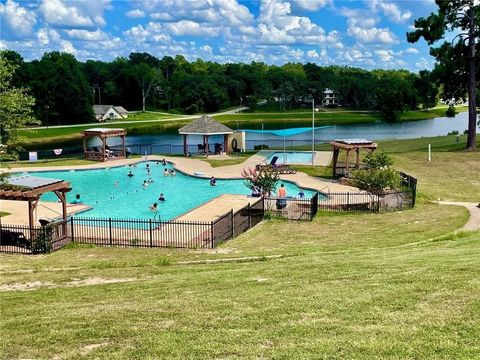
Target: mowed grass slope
345 286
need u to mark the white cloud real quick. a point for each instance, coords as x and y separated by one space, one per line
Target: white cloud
385 55
85 35
16 22
137 33
161 16
208 49
135 13
370 34
297 54
423 64
79 14
389 9
191 28
411 51
312 5
313 54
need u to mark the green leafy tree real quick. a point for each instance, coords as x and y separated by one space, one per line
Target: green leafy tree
427 89
15 113
457 64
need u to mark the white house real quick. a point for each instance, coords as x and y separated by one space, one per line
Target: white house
109 112
330 98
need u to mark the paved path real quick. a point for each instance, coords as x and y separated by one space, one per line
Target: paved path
473 222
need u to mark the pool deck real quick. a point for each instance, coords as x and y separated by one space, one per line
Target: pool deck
45 210
215 208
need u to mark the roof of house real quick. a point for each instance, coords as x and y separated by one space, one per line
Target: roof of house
102 109
205 125
121 109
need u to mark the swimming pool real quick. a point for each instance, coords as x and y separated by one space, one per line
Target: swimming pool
291 157
130 200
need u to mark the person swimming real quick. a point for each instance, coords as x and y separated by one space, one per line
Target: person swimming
115 183
130 174
301 194
172 172
153 207
161 197
145 184
166 172
213 182
150 180
77 200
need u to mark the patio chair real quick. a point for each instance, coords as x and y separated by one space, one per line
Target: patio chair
281 168
14 238
218 148
201 148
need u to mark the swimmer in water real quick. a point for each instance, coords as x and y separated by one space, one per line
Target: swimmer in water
161 197
130 174
165 172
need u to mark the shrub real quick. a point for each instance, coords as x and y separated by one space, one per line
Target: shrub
43 242
376 180
378 160
450 111
454 132
265 178
260 147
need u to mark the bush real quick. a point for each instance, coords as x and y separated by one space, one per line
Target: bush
378 160
260 147
450 111
454 132
377 180
265 178
43 242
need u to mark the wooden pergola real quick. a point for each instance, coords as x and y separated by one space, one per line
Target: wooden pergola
103 154
31 188
350 145
205 126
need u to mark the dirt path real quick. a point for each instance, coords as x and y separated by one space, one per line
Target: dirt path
473 222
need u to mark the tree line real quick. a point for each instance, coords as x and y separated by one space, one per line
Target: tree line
65 89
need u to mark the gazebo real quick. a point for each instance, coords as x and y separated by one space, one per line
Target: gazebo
349 145
103 154
205 126
31 188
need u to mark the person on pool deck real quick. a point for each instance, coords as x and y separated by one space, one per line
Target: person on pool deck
161 197
77 200
153 207
256 192
130 174
164 162
213 182
301 194
172 172
282 192
165 172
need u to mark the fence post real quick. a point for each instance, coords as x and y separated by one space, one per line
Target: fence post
249 216
110 230
71 228
150 232
212 225
232 222
348 201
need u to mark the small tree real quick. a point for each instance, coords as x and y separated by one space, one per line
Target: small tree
265 178
378 160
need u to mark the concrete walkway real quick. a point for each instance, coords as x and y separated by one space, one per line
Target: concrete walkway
473 222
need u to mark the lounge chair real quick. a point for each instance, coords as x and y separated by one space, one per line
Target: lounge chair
218 148
44 222
281 169
14 238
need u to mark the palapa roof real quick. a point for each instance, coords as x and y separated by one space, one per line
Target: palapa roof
349 144
31 187
205 125
104 132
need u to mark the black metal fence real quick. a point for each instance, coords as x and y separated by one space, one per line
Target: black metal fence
22 239
368 202
293 208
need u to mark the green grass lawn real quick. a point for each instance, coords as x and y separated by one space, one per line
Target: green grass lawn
344 286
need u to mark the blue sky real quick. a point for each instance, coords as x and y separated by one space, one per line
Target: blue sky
362 33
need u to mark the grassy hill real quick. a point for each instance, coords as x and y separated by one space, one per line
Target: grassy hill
363 286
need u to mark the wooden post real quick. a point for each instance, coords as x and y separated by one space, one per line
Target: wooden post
84 146
357 150
123 145
347 166
206 144
185 146
336 151
31 209
225 143
103 149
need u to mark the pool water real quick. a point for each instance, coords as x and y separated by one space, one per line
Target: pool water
129 199
291 157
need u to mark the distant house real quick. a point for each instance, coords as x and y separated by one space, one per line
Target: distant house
109 112
330 98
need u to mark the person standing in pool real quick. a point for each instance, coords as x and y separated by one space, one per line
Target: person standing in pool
213 182
282 192
77 200
161 197
130 174
301 194
172 172
165 172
